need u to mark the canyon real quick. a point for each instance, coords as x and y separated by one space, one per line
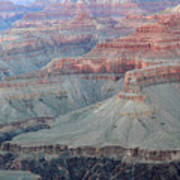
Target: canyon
90 90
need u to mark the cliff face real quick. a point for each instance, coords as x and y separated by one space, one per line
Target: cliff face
112 112
33 45
149 42
151 46
115 152
149 59
51 94
152 75
28 38
37 40
134 112
152 41
29 51
72 167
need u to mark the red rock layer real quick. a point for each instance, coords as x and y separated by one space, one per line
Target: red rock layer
153 73
159 42
131 96
97 65
39 44
163 73
156 40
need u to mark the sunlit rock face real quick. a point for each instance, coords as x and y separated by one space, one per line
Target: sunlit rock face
151 44
150 41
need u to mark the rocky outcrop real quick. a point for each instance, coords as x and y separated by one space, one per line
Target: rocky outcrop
152 75
131 96
8 131
97 65
69 66
74 167
135 80
109 151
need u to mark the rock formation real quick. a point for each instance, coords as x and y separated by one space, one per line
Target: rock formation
113 111
149 60
10 13
32 48
93 168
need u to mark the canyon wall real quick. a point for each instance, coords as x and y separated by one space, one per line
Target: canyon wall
72 167
8 131
109 151
152 75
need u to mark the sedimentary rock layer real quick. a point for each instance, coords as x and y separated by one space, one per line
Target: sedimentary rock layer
90 151
39 94
148 57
